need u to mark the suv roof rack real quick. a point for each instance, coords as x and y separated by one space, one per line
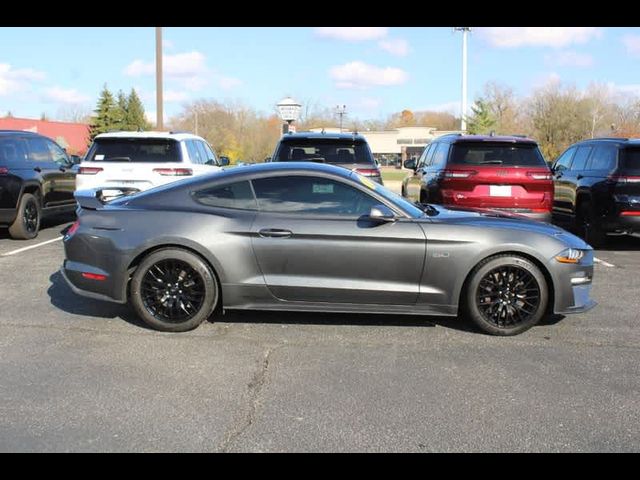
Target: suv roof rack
620 139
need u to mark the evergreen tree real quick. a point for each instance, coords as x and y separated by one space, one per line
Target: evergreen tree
106 114
482 120
121 109
135 119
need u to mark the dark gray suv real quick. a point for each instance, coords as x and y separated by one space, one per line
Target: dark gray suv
347 150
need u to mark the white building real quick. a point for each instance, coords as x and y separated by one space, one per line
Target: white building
399 143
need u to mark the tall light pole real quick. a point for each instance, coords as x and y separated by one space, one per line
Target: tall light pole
341 111
463 121
159 114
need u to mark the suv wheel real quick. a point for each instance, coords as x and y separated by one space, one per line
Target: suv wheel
589 227
27 222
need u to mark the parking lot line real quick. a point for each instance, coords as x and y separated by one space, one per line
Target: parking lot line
602 262
20 250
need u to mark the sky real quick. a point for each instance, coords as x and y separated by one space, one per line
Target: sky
374 71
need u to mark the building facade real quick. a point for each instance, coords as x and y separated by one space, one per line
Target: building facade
73 137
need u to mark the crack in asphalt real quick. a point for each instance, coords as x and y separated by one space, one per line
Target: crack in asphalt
255 387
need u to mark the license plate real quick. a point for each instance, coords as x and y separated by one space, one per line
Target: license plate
500 190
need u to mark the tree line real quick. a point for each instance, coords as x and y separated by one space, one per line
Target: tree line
119 113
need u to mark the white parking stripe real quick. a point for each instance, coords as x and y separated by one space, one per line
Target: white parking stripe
20 250
602 262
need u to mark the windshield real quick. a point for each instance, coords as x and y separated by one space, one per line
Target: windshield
137 150
393 197
486 153
324 150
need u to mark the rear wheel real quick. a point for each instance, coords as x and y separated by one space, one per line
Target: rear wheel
27 222
506 295
174 290
589 227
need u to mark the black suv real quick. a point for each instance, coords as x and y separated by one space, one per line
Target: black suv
36 180
597 188
348 150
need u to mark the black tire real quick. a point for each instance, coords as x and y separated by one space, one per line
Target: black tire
589 227
509 303
27 223
174 290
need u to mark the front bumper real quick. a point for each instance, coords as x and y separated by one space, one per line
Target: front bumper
573 284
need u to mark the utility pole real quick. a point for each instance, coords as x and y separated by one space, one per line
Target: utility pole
463 120
341 111
159 114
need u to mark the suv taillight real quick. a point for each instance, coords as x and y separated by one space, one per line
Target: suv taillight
89 170
4 170
456 173
72 229
176 172
623 179
540 175
368 172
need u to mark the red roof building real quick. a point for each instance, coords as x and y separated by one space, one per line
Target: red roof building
72 136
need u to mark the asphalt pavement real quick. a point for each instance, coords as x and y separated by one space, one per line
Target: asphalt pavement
84 375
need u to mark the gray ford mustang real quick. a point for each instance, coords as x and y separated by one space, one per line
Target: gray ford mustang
314 237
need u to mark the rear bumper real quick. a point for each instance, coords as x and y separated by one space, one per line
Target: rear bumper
622 223
86 293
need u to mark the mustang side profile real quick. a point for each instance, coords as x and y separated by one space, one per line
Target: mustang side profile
315 237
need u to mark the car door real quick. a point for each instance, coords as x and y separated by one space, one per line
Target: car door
313 244
66 185
52 177
437 162
414 182
574 178
562 178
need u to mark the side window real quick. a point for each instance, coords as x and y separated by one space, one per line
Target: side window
204 156
564 161
440 155
58 154
12 150
232 195
38 149
603 158
192 150
195 152
210 155
422 161
580 159
312 196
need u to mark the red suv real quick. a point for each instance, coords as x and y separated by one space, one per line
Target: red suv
483 171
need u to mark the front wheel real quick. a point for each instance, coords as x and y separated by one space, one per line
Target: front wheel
174 290
506 295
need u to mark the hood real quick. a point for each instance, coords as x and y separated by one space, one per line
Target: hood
486 218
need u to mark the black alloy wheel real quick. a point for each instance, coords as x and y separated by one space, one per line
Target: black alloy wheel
30 216
505 295
27 222
173 290
508 296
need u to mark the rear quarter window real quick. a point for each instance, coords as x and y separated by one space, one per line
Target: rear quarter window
631 159
12 151
238 195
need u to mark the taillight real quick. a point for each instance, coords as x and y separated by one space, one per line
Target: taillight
630 214
4 170
94 276
368 172
457 173
89 170
623 179
540 175
72 229
175 172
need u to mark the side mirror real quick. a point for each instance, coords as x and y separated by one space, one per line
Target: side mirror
268 159
224 161
410 164
382 214
75 159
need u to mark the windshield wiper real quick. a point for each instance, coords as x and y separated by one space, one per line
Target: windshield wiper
427 208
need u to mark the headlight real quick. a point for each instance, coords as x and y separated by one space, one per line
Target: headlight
570 255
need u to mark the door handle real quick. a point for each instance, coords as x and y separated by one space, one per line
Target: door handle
579 177
275 233
37 169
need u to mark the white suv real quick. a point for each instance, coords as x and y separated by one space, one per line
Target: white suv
141 160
